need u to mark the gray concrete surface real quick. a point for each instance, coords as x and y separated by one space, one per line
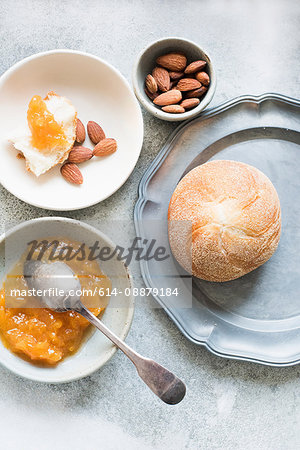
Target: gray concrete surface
255 48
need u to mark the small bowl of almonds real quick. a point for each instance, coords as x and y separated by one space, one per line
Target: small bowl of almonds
174 79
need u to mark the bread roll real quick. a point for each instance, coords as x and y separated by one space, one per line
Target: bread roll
224 220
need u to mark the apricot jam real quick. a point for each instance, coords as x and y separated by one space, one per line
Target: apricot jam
41 335
46 133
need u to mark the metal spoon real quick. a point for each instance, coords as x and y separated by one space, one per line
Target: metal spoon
56 281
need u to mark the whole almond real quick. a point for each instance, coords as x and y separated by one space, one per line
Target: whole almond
172 61
190 103
71 173
150 95
80 154
80 132
151 84
175 109
196 93
203 78
95 132
105 147
195 67
162 78
168 98
188 84
176 75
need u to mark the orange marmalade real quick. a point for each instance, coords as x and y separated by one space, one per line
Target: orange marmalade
45 131
41 335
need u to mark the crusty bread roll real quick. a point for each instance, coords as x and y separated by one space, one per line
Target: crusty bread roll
224 220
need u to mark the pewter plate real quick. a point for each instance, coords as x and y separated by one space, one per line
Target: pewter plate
256 317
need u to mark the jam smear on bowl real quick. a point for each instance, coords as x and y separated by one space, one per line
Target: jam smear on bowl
38 334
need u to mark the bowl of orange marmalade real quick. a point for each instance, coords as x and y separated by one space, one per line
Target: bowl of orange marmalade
55 347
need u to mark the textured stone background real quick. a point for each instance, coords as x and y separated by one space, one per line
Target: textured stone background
255 48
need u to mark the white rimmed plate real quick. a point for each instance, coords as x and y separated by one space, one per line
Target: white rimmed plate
97 349
100 93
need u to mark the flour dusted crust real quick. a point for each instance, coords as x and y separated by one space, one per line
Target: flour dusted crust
224 220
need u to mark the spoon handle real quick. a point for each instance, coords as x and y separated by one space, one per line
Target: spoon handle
161 381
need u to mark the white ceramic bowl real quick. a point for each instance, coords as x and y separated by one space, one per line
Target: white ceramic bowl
95 351
100 93
145 63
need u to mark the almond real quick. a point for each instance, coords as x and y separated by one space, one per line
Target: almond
95 132
176 75
190 103
195 67
80 132
196 93
79 154
175 109
188 84
162 78
151 96
151 84
203 78
172 61
168 98
105 147
71 173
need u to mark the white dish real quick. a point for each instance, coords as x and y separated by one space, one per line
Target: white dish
146 62
100 93
97 349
